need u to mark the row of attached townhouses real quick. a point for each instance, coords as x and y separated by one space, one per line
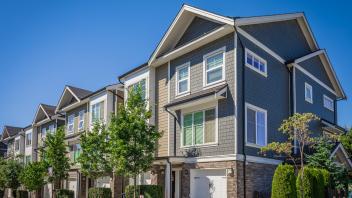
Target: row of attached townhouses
219 88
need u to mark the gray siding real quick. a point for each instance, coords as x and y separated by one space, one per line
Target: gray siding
226 106
270 93
197 28
285 38
76 120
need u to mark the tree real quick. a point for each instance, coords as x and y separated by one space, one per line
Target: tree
55 156
346 140
33 176
11 172
284 182
297 129
94 158
3 177
133 141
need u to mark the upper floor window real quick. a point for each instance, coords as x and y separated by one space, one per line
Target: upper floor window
28 139
255 62
98 112
199 127
182 78
81 120
70 123
328 103
142 85
308 93
214 67
52 128
17 145
256 126
44 132
75 151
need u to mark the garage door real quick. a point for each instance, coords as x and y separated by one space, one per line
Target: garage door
210 183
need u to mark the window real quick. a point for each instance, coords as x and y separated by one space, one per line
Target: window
256 126
255 62
17 145
214 66
142 85
52 128
75 151
328 103
308 92
70 123
43 132
81 120
28 159
199 127
98 112
182 79
28 139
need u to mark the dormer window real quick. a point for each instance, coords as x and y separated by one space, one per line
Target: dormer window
214 67
255 62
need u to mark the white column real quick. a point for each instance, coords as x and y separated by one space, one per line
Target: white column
167 180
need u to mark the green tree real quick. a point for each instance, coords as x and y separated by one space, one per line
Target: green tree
55 156
3 167
12 171
346 140
94 158
284 182
33 176
133 141
297 129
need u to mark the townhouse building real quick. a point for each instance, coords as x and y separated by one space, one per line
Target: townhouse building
13 140
219 88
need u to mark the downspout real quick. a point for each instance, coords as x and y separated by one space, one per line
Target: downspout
243 111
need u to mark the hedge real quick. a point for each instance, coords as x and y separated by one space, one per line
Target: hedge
308 183
64 193
99 192
21 194
149 191
318 188
314 182
284 182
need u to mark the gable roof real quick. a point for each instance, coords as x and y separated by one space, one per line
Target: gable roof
339 147
76 93
10 131
44 111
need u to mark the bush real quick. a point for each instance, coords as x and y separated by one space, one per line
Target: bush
149 191
318 185
21 194
99 192
64 193
284 182
326 176
308 183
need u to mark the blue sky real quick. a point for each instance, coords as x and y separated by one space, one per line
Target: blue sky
45 45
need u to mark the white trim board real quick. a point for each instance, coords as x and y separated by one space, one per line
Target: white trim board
306 57
343 151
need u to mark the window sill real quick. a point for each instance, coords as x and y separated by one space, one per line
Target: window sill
180 95
309 101
256 70
214 84
253 145
200 145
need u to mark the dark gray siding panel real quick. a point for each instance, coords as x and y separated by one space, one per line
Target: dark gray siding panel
226 110
316 67
285 38
270 93
318 91
197 28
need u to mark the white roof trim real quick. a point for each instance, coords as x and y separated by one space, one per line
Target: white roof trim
267 19
306 57
343 151
195 11
36 114
63 94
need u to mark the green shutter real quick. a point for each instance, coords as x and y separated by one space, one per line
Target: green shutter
187 130
198 127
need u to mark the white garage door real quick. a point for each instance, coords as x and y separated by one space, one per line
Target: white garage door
209 183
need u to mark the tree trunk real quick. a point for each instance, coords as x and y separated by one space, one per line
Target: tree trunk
135 186
302 168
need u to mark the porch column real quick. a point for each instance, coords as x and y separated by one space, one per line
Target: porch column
168 180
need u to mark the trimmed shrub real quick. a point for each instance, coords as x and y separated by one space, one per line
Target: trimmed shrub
64 193
149 191
99 192
326 176
21 194
318 186
307 183
284 182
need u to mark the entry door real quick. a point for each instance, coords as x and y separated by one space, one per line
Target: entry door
210 183
72 185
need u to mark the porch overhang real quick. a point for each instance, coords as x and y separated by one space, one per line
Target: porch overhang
332 128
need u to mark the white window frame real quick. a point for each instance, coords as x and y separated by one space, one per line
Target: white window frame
81 120
43 129
26 139
310 88
194 110
205 71
52 128
247 51
19 146
178 68
72 124
256 109
325 97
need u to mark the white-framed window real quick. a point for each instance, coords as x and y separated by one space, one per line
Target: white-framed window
256 126
142 83
70 123
214 67
81 120
44 132
328 103
28 139
199 127
28 159
308 93
98 112
255 62
52 128
183 79
17 145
